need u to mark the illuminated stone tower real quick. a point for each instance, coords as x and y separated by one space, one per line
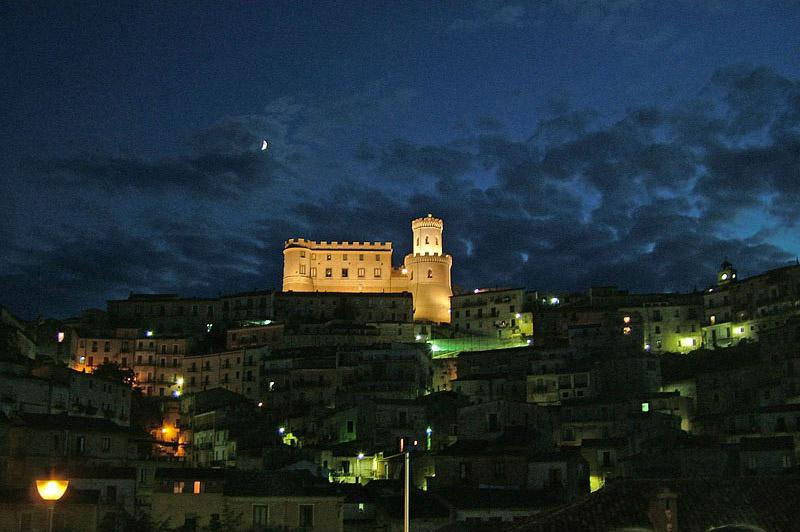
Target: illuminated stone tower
429 271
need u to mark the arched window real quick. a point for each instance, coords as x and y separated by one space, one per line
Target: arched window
430 274
427 240
437 240
418 241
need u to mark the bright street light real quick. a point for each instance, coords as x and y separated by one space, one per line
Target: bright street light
51 490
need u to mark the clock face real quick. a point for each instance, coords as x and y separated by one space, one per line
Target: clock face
724 276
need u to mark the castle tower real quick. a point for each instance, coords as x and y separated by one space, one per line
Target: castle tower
296 267
429 271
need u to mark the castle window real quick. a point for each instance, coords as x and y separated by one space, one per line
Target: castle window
302 269
377 257
345 272
328 256
313 256
328 272
360 256
418 241
302 254
430 274
344 256
313 272
361 272
427 240
377 272
437 240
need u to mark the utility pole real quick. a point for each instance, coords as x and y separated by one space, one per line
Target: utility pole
406 516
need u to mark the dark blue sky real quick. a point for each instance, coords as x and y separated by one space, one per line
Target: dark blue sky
566 143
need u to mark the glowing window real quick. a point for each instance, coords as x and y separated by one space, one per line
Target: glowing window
198 487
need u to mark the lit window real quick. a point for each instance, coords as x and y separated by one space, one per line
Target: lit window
362 272
377 272
198 487
177 487
313 272
302 269
328 272
328 257
645 407
345 272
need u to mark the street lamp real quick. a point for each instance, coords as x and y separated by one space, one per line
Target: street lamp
51 490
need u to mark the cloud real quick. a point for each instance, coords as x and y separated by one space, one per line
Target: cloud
491 14
653 200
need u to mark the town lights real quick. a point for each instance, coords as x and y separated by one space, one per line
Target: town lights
281 430
360 456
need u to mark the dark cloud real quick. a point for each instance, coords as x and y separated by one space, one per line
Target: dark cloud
226 161
650 200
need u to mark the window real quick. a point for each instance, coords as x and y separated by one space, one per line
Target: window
328 256
313 256
345 272
350 426
361 272
260 515
177 487
377 272
302 269
305 515
313 272
80 445
328 272
360 256
106 444
378 258
302 254
465 470
197 487
344 256
430 274
427 240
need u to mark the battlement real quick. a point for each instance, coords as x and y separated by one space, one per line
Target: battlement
427 221
427 257
348 246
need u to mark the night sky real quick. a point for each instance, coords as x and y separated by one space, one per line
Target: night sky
566 144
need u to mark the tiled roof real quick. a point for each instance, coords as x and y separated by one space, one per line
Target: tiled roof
767 502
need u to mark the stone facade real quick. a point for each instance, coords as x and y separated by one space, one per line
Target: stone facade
311 266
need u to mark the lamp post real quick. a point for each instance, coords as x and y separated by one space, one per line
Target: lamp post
406 454
51 490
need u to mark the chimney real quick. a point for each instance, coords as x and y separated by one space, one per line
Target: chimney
663 511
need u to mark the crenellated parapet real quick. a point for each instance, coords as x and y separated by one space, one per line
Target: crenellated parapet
427 221
345 245
428 257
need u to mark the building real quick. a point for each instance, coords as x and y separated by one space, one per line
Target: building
201 498
737 310
672 323
311 266
492 312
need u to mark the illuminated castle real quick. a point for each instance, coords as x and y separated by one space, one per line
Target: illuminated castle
310 266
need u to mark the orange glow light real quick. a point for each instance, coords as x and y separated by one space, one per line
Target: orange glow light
51 490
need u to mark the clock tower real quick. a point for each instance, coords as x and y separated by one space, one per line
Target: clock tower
726 274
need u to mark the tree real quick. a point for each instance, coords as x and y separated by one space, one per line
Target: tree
114 372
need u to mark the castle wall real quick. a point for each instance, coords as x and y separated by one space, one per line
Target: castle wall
313 266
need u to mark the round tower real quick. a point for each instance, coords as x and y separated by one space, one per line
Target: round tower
296 267
429 271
